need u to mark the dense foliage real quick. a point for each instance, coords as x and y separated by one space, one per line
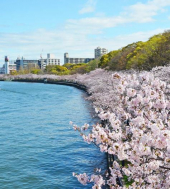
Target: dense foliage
56 69
140 55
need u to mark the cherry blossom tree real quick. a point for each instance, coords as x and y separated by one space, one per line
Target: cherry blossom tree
137 129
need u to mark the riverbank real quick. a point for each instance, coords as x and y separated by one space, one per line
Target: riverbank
49 79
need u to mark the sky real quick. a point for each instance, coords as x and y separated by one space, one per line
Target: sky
29 28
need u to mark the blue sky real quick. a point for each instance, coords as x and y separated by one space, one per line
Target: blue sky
29 28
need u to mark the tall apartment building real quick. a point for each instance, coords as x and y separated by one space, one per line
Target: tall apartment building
75 60
98 52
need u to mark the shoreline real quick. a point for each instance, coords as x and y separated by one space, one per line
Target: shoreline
59 82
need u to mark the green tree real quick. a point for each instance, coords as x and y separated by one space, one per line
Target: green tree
92 65
56 69
36 71
105 59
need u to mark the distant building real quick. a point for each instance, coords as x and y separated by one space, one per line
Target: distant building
75 60
50 60
2 69
41 63
98 52
25 64
8 67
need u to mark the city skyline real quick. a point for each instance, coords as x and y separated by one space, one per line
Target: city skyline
31 28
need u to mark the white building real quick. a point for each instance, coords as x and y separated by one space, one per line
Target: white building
11 68
8 67
50 60
98 52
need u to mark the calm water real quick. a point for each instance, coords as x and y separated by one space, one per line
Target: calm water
38 147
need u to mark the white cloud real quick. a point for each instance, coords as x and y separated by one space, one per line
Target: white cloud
137 13
96 23
89 7
75 36
144 12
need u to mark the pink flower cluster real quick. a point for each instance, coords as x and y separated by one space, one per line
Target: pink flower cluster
137 130
96 179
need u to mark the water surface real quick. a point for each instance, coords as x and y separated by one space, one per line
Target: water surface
38 147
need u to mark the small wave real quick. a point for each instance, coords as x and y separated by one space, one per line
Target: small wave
12 91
